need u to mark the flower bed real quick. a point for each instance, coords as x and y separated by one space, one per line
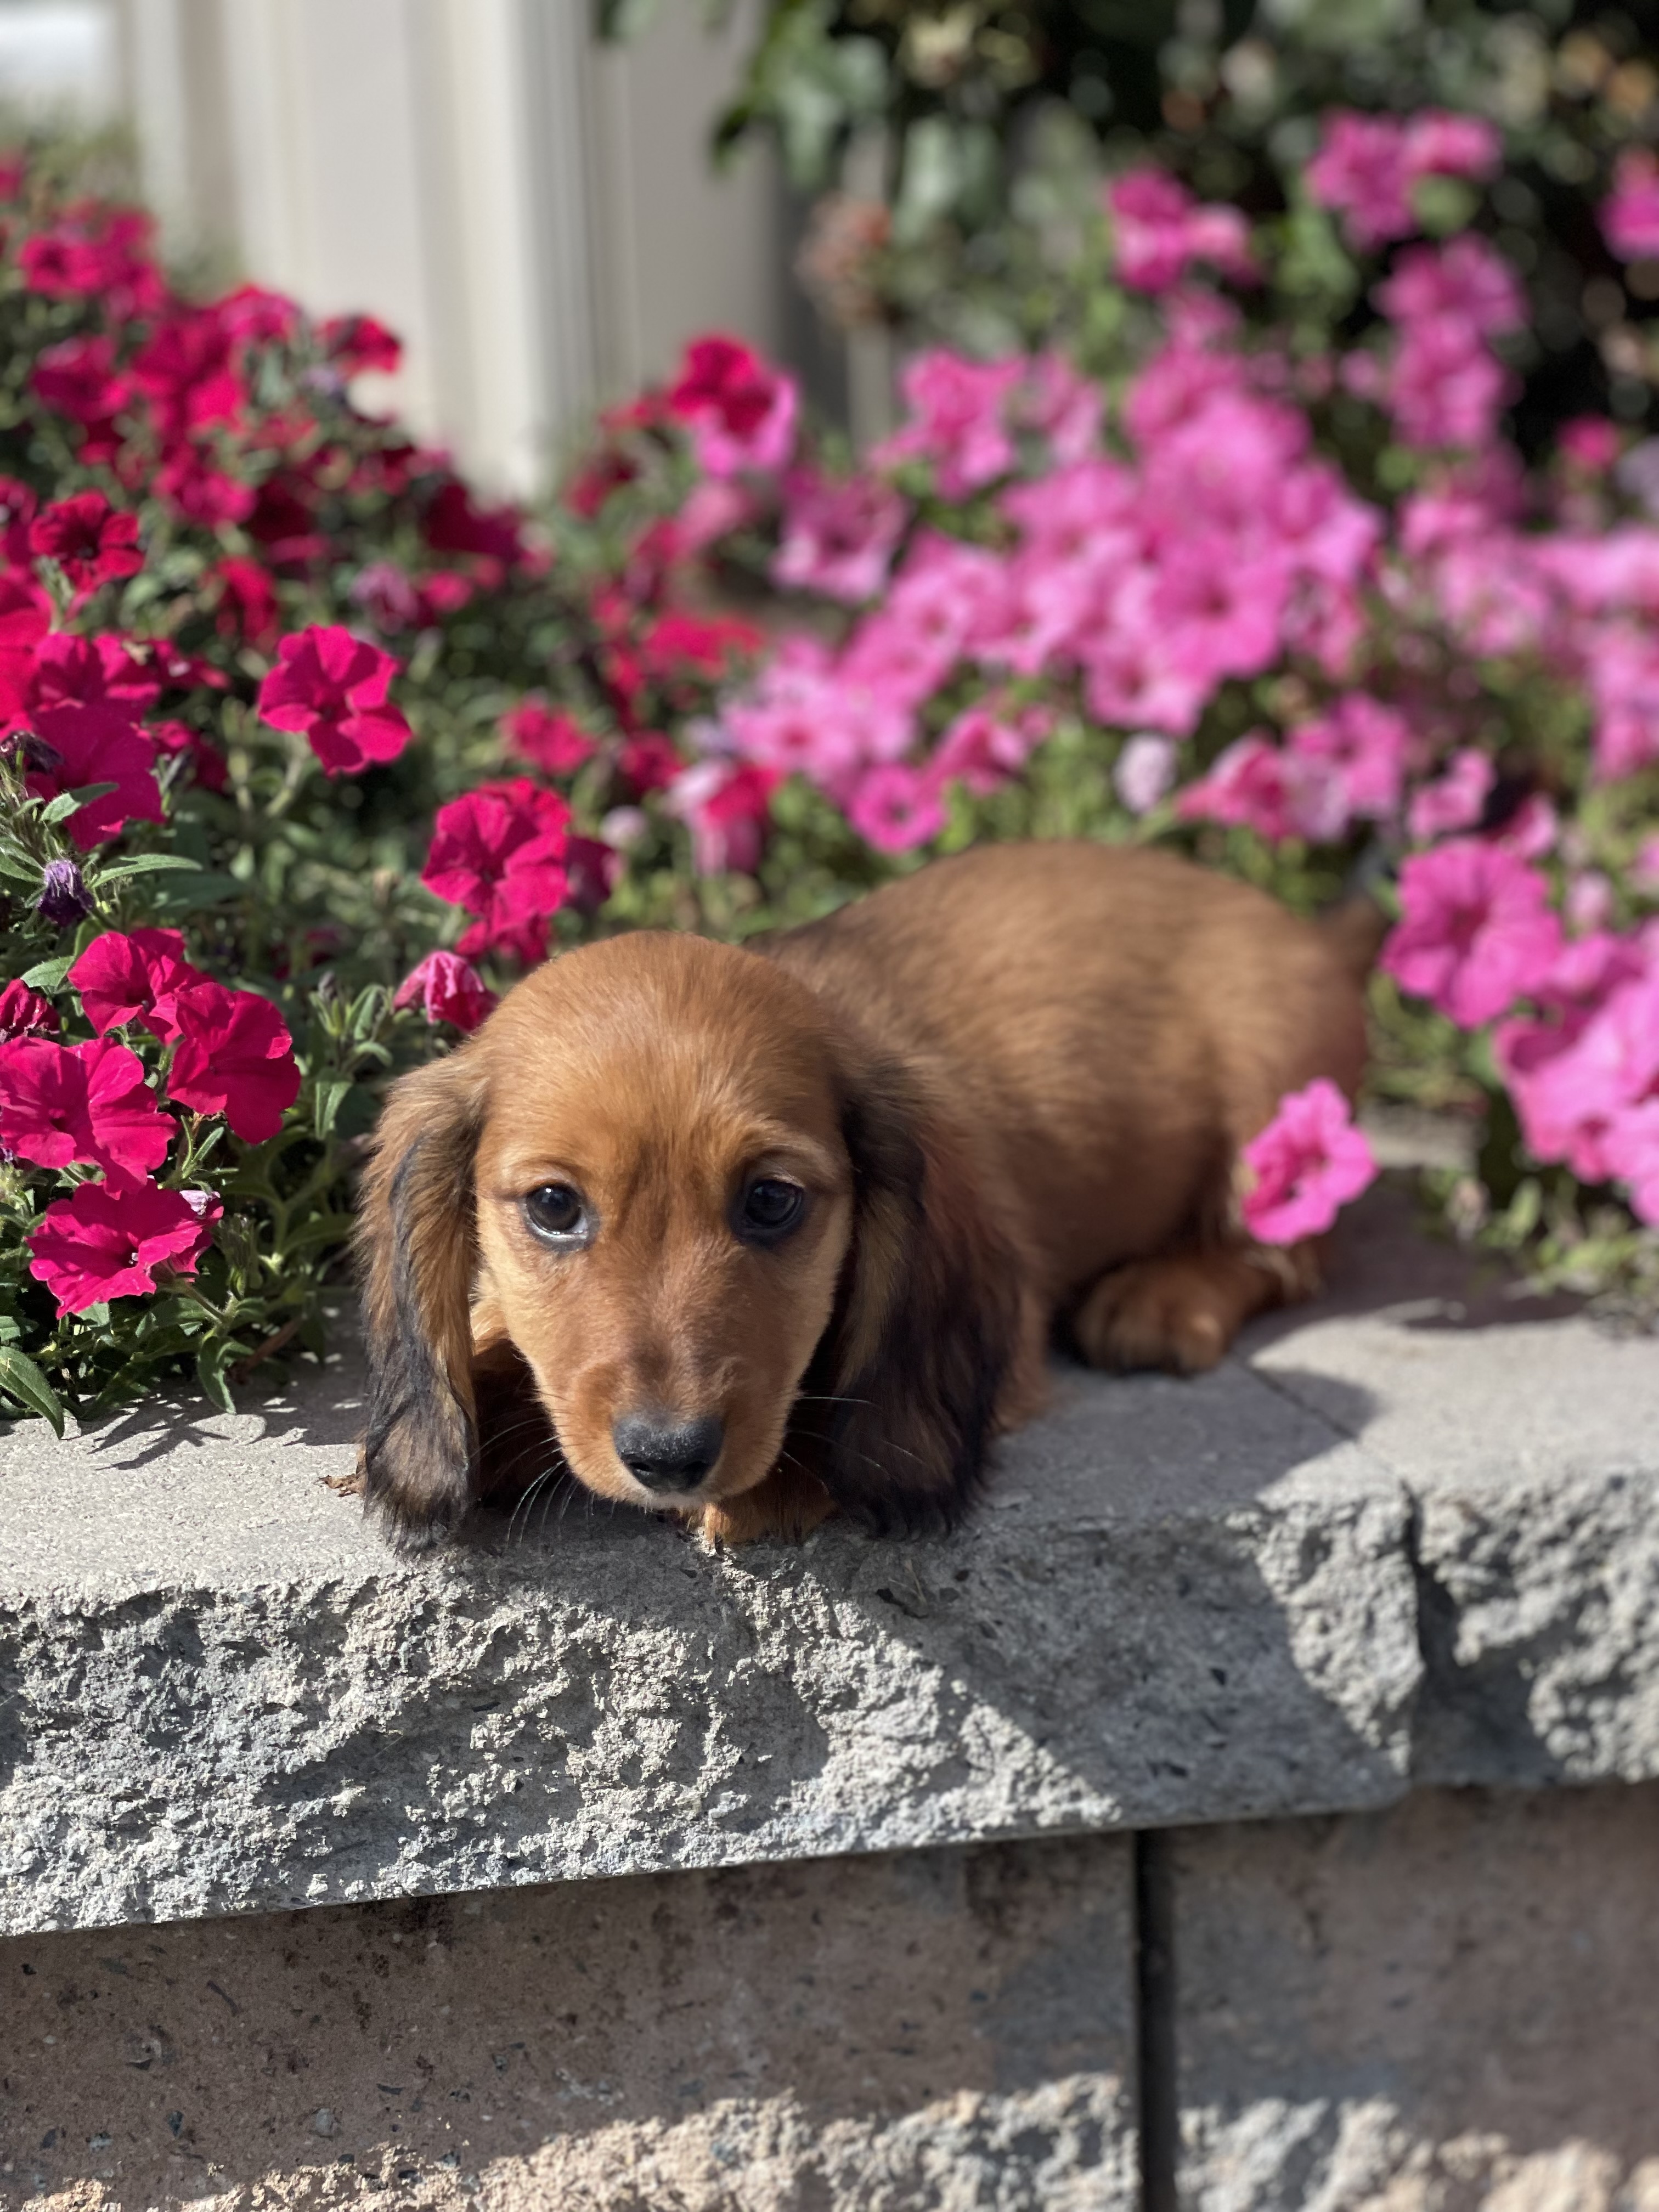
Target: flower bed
308 751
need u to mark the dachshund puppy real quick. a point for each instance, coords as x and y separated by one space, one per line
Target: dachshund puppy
773 1233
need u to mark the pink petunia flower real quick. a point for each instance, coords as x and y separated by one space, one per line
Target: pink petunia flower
98 744
499 852
87 1102
1360 172
838 537
333 687
1630 217
89 541
740 411
1455 801
1159 229
1476 932
896 808
447 989
235 1057
107 1242
1304 1166
958 413
550 740
135 977
1248 787
24 1013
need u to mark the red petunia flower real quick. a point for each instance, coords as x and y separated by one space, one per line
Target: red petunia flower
204 764
740 411
455 523
107 1240
690 645
87 1102
332 686
24 1013
68 669
78 378
247 602
135 977
97 744
90 542
235 1057
499 852
356 343
447 989
554 742
649 763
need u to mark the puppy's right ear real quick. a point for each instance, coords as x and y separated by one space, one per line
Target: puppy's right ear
417 1241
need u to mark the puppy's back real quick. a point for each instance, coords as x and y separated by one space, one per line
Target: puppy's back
1115 1021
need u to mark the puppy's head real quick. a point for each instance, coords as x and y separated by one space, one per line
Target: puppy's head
663 1175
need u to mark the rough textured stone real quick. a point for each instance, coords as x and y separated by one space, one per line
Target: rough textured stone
218 1691
1446 2005
940 2029
1407 1533
1528 1439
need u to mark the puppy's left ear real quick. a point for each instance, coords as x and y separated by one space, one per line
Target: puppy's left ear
417 1241
926 1332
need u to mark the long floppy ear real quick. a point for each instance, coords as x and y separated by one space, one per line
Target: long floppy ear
927 1324
417 1241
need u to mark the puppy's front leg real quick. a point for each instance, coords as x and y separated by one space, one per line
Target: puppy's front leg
788 1505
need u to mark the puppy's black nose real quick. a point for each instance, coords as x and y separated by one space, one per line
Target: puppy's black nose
665 1454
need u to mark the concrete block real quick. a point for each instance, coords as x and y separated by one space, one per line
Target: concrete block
939 2029
1527 1437
1447 2005
219 1692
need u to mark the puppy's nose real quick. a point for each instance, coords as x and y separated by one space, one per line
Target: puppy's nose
665 1454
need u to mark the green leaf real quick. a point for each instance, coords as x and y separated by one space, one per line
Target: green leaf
211 1362
71 802
330 1095
21 1380
48 974
183 894
147 864
14 863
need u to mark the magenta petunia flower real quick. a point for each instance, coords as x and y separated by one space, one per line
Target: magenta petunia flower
740 411
447 989
235 1057
86 1103
333 687
98 743
1476 932
838 537
24 1013
896 808
1304 1166
25 618
1159 229
958 413
135 977
91 543
552 741
499 852
107 1240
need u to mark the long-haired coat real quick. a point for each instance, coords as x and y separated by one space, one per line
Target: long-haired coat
768 1234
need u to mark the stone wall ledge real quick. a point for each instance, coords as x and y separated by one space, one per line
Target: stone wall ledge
1409 1535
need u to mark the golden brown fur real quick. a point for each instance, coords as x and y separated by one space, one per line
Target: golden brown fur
1012 1089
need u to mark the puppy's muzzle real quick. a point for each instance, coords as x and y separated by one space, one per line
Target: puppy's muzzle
666 1454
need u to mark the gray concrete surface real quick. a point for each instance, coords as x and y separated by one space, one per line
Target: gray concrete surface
938 2030
1405 1535
1446 2005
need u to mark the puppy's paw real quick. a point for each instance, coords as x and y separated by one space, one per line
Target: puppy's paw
787 1505
1179 1313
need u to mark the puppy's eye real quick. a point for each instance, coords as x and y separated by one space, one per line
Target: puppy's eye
555 1211
769 1209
